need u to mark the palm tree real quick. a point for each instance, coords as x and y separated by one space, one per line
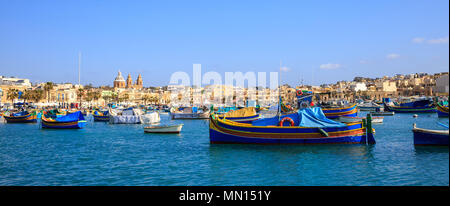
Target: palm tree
12 94
47 87
37 95
26 95
145 98
96 95
80 94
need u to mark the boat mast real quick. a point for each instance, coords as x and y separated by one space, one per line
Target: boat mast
79 66
279 94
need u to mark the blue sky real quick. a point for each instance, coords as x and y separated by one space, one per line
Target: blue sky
319 41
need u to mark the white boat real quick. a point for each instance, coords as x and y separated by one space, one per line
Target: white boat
368 106
164 129
359 119
132 116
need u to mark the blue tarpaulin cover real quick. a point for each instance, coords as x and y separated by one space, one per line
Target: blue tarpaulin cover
308 117
76 116
20 114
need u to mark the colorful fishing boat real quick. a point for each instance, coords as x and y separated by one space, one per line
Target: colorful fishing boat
70 121
442 110
430 137
170 129
419 106
21 117
101 116
244 115
307 126
336 112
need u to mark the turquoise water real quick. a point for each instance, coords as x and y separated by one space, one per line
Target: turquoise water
104 154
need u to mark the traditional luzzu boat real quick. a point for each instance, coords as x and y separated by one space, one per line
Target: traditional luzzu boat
100 116
442 110
306 126
430 137
21 117
419 106
336 112
244 115
70 121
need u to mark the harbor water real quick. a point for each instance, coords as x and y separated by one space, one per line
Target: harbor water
107 154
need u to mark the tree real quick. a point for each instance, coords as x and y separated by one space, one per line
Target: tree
12 94
48 87
96 95
37 95
26 95
146 98
80 94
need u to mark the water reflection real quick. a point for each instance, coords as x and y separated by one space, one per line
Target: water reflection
288 164
420 150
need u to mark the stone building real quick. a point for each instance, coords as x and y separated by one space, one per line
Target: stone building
120 82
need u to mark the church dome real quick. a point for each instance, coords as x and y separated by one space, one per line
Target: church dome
119 78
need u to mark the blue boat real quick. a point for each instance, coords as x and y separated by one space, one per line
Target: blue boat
101 116
70 121
307 126
430 137
419 106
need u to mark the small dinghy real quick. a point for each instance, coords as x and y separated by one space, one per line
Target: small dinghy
382 113
163 129
359 119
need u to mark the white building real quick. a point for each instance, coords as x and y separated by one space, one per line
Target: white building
358 86
441 84
14 81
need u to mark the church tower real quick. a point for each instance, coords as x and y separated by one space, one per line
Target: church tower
119 82
129 82
139 83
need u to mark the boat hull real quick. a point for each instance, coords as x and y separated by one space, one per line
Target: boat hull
189 115
248 119
430 137
359 119
29 118
101 118
164 129
333 113
363 108
442 111
382 113
399 109
63 125
221 132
